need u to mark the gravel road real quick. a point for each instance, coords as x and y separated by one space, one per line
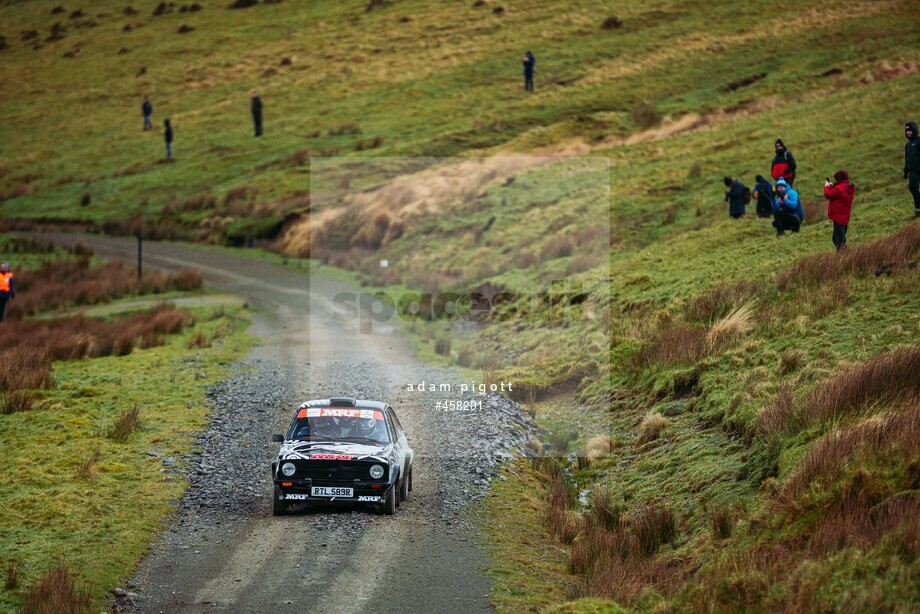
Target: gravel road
224 550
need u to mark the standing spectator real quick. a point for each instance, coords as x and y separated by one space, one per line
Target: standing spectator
147 110
783 163
529 62
168 137
735 197
763 192
787 210
839 204
7 288
257 112
912 163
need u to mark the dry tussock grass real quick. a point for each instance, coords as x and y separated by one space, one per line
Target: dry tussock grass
561 521
128 422
424 193
857 485
58 591
12 575
815 269
885 380
828 457
598 447
29 347
650 428
772 420
732 327
615 552
723 521
74 283
673 346
16 401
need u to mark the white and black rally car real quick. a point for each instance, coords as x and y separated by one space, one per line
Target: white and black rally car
343 450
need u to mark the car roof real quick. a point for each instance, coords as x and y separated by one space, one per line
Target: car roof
344 402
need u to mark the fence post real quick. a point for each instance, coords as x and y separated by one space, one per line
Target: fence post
140 261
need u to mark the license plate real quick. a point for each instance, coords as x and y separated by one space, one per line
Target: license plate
332 491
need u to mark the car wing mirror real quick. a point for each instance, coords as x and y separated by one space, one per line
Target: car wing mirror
277 438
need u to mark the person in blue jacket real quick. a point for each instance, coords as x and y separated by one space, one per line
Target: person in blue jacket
787 208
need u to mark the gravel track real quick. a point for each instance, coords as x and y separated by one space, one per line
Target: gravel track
224 550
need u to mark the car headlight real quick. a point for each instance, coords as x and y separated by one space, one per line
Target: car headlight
376 472
288 469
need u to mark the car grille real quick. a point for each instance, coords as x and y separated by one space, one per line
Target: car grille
330 472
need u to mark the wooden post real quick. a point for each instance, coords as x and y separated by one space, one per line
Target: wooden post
140 262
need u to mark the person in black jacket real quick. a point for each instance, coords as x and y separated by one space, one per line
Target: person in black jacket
763 192
529 62
147 111
783 163
734 197
168 137
257 113
912 163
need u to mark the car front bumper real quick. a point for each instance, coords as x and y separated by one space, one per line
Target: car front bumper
363 492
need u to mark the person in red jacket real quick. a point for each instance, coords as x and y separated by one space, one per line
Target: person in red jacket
783 163
839 195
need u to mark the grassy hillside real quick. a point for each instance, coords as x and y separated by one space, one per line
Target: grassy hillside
737 428
98 409
336 75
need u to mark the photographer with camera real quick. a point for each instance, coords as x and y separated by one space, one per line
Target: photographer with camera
529 62
787 209
839 195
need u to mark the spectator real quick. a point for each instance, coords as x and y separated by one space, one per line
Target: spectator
783 163
787 210
168 137
763 192
257 112
734 197
912 163
147 110
839 204
529 62
7 288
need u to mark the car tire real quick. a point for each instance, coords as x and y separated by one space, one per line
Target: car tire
279 507
389 503
404 487
411 469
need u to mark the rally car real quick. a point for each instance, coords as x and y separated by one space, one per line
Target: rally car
342 450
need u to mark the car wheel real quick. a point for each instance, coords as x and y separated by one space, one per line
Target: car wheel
279 507
410 477
404 487
389 504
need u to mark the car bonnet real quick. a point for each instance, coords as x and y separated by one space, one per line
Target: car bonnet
307 450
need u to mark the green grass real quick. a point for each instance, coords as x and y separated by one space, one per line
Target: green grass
102 520
457 93
103 524
529 571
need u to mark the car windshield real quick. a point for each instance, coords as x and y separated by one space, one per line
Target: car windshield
335 424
